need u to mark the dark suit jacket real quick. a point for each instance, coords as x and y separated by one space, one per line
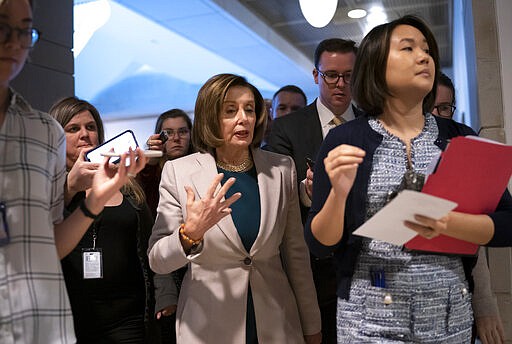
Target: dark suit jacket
299 135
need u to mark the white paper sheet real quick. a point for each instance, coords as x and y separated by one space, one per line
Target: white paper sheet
388 224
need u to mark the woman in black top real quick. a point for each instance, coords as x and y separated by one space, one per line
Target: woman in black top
107 274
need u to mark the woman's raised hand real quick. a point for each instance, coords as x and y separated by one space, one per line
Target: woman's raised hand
341 166
79 177
204 213
109 178
81 174
154 142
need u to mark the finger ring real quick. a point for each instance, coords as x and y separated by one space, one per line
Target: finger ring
131 175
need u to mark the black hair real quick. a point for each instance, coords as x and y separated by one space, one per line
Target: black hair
334 45
445 80
369 87
292 89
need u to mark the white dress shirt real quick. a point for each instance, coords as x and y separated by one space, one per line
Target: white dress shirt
325 115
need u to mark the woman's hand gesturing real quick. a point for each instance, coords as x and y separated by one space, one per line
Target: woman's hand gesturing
204 213
110 178
341 166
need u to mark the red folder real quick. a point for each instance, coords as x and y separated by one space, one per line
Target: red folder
474 173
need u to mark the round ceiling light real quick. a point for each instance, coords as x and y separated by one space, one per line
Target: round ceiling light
357 13
318 13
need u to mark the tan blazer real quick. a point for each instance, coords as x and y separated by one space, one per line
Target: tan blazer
213 300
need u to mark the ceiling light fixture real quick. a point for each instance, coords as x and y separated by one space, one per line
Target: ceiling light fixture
357 13
376 16
318 13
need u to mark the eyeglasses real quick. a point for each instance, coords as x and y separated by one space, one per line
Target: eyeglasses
4 229
445 110
26 37
332 78
181 132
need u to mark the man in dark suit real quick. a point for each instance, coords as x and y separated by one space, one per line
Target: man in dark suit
300 134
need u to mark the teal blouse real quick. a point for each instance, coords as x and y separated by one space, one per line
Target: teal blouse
247 210
246 216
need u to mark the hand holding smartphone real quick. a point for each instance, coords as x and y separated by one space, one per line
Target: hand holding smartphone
147 153
163 136
310 162
115 147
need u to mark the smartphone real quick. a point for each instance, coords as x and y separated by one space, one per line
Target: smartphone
163 136
118 144
310 162
147 153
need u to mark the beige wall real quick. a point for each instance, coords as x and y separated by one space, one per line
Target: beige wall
494 72
48 75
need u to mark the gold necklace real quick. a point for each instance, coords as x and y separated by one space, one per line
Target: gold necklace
245 166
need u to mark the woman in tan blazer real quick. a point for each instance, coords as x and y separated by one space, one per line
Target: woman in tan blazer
231 214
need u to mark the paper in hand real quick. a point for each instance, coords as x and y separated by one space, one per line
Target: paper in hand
388 223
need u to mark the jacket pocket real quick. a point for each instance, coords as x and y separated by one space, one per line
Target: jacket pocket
383 319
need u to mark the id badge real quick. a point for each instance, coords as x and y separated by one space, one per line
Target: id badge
92 262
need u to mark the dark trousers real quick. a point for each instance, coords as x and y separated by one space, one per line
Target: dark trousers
129 331
324 276
168 329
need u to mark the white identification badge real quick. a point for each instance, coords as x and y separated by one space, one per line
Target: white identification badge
92 263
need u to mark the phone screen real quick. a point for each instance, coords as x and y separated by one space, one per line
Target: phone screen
118 144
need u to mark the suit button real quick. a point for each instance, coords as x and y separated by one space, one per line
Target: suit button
247 261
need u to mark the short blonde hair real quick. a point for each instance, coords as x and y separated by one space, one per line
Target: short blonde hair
206 135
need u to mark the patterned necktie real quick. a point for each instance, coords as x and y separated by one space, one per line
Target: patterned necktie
337 120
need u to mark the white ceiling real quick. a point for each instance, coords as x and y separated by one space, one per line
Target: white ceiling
145 57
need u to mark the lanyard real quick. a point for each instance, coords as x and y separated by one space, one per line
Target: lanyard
94 236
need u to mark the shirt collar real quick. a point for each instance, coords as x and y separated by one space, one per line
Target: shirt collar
326 115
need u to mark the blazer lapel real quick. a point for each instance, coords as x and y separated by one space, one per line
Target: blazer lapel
204 175
202 179
313 136
269 179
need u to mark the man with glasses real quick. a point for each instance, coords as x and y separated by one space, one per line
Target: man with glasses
300 134
445 98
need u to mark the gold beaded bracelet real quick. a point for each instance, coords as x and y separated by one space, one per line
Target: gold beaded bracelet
187 238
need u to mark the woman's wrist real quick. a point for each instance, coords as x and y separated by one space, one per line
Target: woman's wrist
87 212
68 193
92 203
189 238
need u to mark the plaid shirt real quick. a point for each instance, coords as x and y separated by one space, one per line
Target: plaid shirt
34 305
